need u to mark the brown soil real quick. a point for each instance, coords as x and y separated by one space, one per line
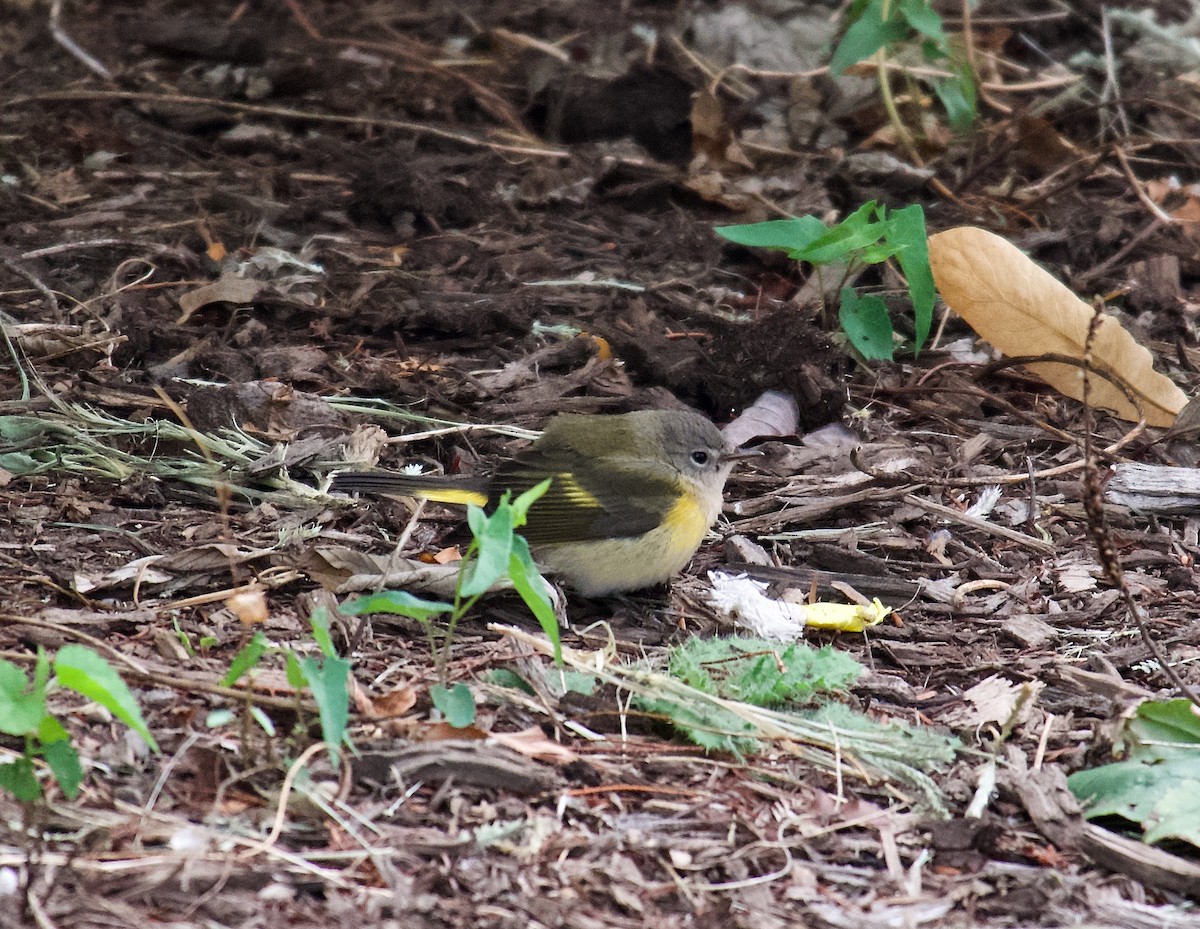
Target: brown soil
490 213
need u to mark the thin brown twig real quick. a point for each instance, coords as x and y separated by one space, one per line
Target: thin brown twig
286 113
1112 377
1139 191
1097 522
975 522
281 810
487 98
89 61
1120 255
1061 434
301 18
1110 93
938 480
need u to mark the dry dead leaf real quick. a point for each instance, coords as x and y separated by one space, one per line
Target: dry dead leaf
993 700
1187 216
532 743
392 704
712 135
774 413
398 701
444 732
249 606
227 289
447 555
1040 145
362 700
1022 310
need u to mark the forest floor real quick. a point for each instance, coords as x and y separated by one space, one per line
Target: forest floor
242 244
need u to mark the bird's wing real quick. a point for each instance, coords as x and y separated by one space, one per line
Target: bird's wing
628 498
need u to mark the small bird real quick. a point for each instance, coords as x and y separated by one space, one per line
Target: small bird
630 499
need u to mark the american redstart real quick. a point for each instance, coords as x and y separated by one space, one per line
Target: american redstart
630 499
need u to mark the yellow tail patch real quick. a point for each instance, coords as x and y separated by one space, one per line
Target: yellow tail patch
457 495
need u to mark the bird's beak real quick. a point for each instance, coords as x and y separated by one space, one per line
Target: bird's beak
741 454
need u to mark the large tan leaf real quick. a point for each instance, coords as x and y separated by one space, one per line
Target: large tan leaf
1022 310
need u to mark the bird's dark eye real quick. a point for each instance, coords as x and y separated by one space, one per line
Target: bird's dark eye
700 457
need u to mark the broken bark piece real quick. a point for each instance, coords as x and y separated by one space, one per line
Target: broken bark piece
468 762
1155 488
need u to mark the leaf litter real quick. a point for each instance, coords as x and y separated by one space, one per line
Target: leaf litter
403 160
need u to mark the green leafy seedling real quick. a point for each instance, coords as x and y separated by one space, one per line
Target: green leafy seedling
456 702
747 670
496 551
328 678
1157 784
325 676
247 658
869 235
898 30
23 714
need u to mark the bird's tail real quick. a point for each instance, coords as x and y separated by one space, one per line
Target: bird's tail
435 487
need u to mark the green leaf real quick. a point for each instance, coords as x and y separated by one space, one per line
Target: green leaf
808 239
397 602
577 682
495 536
184 640
20 464
477 518
327 678
790 235
910 239
1158 786
457 704
51 730
958 98
711 727
18 778
1177 812
1161 729
20 712
80 669
506 677
865 227
924 19
866 323
63 762
295 673
41 671
521 505
319 621
761 672
877 252
527 581
749 670
260 717
867 34
745 670
248 657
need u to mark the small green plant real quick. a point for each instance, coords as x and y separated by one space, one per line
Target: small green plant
1157 782
888 30
496 551
869 235
23 714
325 675
751 671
